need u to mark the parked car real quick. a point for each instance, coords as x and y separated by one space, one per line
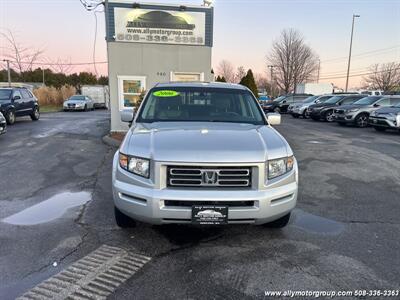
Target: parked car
17 102
203 148
358 112
3 124
300 108
386 117
78 102
325 111
281 104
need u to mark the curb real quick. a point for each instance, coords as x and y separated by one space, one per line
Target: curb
110 141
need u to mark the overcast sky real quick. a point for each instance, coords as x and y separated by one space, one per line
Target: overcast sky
243 33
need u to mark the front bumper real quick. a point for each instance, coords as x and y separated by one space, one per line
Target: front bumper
148 204
344 118
384 122
70 108
317 115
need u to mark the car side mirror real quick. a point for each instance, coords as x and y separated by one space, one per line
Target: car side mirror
274 118
284 101
127 114
16 98
376 105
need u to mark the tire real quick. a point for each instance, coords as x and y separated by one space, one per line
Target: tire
10 117
362 120
380 129
280 223
305 114
329 116
35 115
85 109
123 220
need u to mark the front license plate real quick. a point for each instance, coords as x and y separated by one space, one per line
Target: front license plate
209 214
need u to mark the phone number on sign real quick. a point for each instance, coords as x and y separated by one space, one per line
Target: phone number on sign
160 39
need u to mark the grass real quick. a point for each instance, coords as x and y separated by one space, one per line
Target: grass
50 108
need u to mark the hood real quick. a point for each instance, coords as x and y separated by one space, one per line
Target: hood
388 110
74 101
205 142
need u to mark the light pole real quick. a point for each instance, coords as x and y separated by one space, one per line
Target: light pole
271 68
8 71
351 44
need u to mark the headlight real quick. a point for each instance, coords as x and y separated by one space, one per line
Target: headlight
278 167
135 165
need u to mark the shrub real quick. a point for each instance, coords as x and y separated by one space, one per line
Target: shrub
53 96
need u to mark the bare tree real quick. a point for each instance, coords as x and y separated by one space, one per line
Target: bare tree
262 82
226 70
295 62
21 58
60 65
385 77
240 73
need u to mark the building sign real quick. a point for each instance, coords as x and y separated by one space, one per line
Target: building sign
159 26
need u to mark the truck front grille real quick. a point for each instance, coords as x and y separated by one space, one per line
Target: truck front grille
206 177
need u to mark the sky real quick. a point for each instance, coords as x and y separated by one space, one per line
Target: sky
243 33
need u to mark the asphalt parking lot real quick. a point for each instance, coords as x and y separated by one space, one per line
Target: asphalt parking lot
344 234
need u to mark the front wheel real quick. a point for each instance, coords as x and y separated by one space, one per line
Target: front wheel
279 223
362 120
123 220
35 115
10 117
306 115
329 116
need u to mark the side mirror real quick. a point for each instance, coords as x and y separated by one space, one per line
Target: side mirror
284 101
274 118
376 105
127 114
16 97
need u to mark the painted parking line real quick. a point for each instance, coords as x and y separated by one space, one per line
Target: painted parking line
95 276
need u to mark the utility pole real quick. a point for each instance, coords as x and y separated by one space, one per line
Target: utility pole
271 69
351 45
319 69
8 72
43 76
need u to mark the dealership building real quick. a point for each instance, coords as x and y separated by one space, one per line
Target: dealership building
151 43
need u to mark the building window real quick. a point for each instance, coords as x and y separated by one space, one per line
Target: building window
129 90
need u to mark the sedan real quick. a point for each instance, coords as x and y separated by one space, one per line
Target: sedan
79 102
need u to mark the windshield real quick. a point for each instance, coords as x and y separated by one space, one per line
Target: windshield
367 100
200 105
334 99
310 99
5 94
279 99
77 97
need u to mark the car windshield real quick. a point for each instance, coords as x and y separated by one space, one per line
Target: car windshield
310 99
368 100
279 99
77 97
200 105
334 99
5 94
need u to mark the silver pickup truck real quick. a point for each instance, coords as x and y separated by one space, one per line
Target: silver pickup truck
203 153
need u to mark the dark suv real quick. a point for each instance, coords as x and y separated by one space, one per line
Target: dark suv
281 104
325 111
16 102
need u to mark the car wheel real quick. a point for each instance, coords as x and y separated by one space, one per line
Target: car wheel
10 117
123 220
277 110
306 114
280 223
85 109
329 116
380 128
362 120
35 115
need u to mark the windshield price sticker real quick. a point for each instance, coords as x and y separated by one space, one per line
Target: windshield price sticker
166 93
